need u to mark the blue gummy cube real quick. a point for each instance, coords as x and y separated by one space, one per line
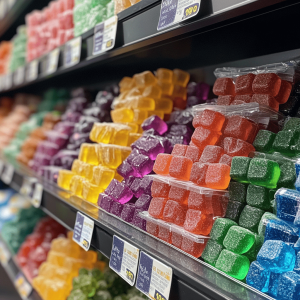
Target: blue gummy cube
280 230
297 246
258 277
297 167
273 284
297 184
297 264
297 218
277 256
289 286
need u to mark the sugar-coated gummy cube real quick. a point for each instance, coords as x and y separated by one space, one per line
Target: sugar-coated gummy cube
225 100
243 84
212 252
162 164
284 92
217 176
250 217
197 222
226 159
116 209
143 202
164 232
105 202
121 193
192 245
135 187
156 208
266 83
152 227
297 264
224 86
265 100
178 194
142 164
174 212
179 150
291 124
263 222
164 75
201 202
253 251
125 170
244 98
198 173
273 284
237 147
122 115
258 277
209 119
128 212
180 167
109 190
211 154
233 264
160 189
146 184
176 238
193 153
203 137
277 256
156 123
234 209
258 196
220 229
264 141
239 168
64 179
289 286
219 204
144 79
263 172
283 142
287 175
237 191
138 221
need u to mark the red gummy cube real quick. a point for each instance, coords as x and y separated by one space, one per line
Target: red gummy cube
198 173
226 159
219 205
237 147
217 176
197 222
179 150
176 237
203 137
193 153
223 86
265 100
209 119
284 92
211 154
152 228
200 202
267 83
180 167
174 212
193 246
244 98
157 206
237 102
179 103
164 232
160 189
225 100
243 84
162 164
178 194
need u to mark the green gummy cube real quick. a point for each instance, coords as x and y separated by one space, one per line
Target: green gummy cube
234 209
263 172
291 124
237 191
288 176
211 252
283 142
250 218
239 168
252 253
220 229
235 265
110 9
264 141
258 196
272 194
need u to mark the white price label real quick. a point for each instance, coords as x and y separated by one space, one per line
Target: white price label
19 76
28 186
52 62
22 285
7 174
83 231
124 260
72 52
37 195
5 255
154 278
8 81
32 70
105 35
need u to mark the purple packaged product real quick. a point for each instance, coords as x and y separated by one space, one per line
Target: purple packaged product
146 184
143 202
105 202
116 209
128 212
64 159
129 180
156 123
138 221
142 164
78 104
109 190
71 116
65 127
41 159
135 187
125 169
121 193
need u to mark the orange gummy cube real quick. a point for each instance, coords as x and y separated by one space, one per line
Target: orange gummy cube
162 164
144 79
160 189
179 103
226 159
237 147
197 222
157 206
198 173
203 137
174 212
192 246
217 176
179 150
209 119
180 167
267 83
180 77
179 92
164 232
265 100
152 228
223 86
211 154
193 153
164 75
178 194
243 84
284 92
225 100
200 202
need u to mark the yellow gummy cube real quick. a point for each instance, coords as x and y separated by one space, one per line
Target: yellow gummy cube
73 264
76 185
164 75
158 113
120 137
118 177
180 77
53 272
133 137
56 289
88 256
179 92
143 103
77 167
164 104
90 192
137 91
140 129
122 115
39 284
144 79
166 87
56 258
110 156
88 171
102 176
126 83
134 127
88 154
64 179
65 246
120 5
152 91
140 116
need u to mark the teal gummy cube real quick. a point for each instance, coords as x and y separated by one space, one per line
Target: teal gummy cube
263 172
288 176
250 218
237 191
212 252
258 196
253 251
283 142
292 124
220 229
264 141
239 168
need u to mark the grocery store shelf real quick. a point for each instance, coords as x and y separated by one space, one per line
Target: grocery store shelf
192 278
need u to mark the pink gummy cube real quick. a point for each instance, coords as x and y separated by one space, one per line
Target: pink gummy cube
284 92
265 100
223 86
211 154
180 167
176 238
244 98
225 100
200 202
164 232
152 227
209 119
226 159
243 84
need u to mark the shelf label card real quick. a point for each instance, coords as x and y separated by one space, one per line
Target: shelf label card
72 52
52 62
25 189
7 174
154 278
83 231
32 70
175 11
37 195
124 260
22 285
5 255
8 81
105 35
19 76
2 165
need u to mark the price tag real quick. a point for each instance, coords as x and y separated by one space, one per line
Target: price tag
105 35
52 62
72 52
8 81
4 254
22 285
175 11
19 76
32 70
7 174
124 260
37 195
154 278
83 231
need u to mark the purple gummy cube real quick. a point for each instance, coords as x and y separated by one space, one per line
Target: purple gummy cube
135 187
152 147
142 164
111 187
176 130
129 180
128 212
125 169
50 172
41 159
98 113
104 100
146 184
57 138
71 116
116 209
77 104
48 148
138 221
85 124
150 132
121 193
168 146
200 90
65 127
156 123
105 202
143 202
64 159
79 138
181 117
134 153
191 89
